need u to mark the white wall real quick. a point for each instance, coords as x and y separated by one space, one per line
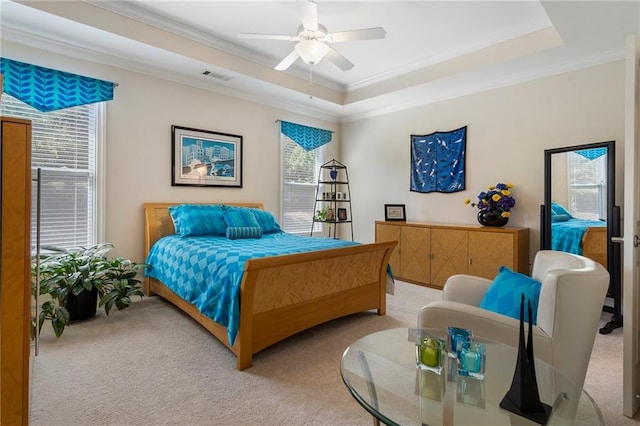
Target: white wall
138 145
508 131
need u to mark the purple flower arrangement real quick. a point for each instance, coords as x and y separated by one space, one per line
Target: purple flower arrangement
497 198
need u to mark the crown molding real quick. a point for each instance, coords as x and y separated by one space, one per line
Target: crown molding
128 10
211 85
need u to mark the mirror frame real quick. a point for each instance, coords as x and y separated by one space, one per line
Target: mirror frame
613 223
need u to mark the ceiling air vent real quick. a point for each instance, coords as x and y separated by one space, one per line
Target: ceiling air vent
215 75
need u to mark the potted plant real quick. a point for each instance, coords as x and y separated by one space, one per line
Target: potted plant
75 279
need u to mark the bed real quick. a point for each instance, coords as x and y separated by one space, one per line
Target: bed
282 295
578 236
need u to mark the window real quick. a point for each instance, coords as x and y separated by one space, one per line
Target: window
587 186
299 182
64 145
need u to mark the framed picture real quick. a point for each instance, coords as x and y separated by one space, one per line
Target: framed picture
205 158
342 213
394 212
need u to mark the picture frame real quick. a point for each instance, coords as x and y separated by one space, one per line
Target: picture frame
394 212
205 158
342 213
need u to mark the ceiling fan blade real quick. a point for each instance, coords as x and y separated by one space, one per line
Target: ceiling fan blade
286 62
363 34
341 62
268 36
309 11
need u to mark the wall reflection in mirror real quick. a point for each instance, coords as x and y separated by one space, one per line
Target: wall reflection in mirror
579 215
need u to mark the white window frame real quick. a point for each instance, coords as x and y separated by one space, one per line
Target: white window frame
99 181
321 154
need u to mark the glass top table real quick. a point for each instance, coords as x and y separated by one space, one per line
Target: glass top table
380 372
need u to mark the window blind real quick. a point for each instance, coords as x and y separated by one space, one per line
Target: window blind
64 148
300 168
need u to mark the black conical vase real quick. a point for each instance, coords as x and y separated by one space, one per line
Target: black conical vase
83 306
523 398
492 218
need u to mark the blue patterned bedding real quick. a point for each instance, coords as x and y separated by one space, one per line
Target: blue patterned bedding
567 236
207 271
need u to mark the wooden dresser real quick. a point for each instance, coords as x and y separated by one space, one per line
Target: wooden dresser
428 253
15 271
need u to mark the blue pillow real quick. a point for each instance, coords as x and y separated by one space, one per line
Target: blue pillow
557 209
505 293
240 217
560 218
266 220
237 232
198 219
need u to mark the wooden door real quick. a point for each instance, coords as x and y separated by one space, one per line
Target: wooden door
384 233
488 251
15 270
449 254
415 248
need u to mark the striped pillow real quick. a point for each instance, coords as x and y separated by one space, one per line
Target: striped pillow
237 232
240 217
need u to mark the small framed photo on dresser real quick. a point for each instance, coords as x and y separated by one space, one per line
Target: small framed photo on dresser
342 213
394 212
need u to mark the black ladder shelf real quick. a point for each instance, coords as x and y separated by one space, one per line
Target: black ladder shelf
333 198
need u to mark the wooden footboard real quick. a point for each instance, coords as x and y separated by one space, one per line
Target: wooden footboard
283 295
594 244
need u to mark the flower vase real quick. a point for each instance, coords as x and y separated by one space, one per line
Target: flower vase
333 174
492 217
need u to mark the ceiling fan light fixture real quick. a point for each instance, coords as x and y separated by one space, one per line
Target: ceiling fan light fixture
311 51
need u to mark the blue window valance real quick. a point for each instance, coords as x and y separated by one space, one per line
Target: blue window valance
593 153
307 137
47 89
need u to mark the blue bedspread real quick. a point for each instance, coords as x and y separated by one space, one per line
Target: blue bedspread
207 271
567 236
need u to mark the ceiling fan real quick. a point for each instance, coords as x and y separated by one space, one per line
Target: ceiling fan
312 39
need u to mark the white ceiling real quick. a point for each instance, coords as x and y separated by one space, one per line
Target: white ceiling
433 50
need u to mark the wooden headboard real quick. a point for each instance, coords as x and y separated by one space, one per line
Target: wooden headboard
158 223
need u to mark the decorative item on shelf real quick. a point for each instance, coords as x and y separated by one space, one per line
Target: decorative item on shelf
330 214
523 397
495 205
333 174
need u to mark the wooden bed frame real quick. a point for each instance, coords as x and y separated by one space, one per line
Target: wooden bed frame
283 295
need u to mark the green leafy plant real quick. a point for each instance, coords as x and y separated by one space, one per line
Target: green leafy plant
81 269
321 215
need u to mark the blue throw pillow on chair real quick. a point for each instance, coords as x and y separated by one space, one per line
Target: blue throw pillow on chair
505 294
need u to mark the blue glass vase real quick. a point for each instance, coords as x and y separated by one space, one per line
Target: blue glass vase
333 174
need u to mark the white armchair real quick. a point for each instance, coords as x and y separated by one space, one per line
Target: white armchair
571 298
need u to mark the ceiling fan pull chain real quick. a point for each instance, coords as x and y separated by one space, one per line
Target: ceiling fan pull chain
310 81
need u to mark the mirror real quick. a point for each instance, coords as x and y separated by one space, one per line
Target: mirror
579 213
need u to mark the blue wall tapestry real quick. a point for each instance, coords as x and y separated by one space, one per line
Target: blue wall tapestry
438 161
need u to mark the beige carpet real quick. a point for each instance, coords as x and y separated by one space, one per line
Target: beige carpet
152 365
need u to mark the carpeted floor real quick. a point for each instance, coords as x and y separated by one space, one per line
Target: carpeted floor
152 365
